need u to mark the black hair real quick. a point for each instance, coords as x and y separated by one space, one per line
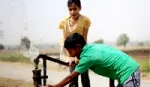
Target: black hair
77 2
73 40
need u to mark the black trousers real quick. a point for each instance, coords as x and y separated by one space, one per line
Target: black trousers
85 81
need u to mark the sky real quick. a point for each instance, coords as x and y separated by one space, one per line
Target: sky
39 19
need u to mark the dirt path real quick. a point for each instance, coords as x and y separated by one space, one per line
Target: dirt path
24 72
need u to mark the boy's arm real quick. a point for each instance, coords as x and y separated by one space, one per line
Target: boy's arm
66 80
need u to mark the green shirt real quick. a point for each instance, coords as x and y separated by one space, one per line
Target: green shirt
106 61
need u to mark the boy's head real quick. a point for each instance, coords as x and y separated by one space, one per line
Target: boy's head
74 7
74 44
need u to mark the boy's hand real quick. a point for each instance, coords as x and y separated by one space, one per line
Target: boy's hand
76 60
73 62
70 62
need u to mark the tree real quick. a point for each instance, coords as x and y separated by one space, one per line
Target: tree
101 41
122 40
1 47
25 42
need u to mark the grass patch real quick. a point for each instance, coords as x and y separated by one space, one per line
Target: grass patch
17 57
144 65
14 57
145 68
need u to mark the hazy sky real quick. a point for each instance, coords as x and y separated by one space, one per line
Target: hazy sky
38 19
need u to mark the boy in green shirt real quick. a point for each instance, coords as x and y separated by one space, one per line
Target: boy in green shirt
103 60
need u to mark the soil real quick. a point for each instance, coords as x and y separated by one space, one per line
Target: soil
20 75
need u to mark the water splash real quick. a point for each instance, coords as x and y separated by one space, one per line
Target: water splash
31 53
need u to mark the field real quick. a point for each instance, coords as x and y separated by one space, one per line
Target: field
141 55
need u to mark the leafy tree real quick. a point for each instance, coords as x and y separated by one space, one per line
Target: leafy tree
1 47
122 40
101 41
25 42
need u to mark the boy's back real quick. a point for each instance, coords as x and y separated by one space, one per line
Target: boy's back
107 61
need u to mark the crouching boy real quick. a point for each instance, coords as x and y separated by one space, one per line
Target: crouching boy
103 60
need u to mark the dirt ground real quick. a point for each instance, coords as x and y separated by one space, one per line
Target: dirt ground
7 82
20 75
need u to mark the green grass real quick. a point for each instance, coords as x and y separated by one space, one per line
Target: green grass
14 57
144 68
17 57
144 65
